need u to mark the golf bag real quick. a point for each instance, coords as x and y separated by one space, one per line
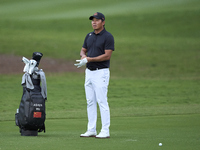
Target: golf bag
31 115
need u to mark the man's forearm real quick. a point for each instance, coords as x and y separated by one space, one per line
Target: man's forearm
102 57
98 58
83 53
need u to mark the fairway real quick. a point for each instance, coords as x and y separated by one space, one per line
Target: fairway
174 132
149 112
154 87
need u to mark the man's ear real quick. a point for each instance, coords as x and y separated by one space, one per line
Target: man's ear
103 23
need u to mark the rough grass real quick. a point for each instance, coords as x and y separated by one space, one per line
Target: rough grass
152 38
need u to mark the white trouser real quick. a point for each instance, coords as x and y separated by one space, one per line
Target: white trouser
96 89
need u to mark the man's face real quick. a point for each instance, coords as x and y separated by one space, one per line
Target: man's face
97 24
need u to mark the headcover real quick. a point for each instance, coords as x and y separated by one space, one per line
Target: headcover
32 66
37 57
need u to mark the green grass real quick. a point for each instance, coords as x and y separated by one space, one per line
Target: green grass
154 86
143 114
127 97
175 132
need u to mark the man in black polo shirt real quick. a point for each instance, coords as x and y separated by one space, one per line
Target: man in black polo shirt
96 53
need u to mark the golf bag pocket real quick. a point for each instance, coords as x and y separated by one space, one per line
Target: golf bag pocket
37 109
32 110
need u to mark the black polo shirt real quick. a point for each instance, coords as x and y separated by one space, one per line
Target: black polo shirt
96 44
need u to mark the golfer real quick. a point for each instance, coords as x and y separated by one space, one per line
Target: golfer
96 53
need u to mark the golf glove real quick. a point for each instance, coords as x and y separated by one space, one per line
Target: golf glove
81 63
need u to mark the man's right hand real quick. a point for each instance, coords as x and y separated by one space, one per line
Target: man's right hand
81 63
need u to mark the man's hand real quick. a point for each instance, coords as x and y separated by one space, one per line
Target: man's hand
81 63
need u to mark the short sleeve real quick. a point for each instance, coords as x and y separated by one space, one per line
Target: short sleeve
109 42
85 42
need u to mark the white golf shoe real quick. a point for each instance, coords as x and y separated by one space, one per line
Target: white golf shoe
103 135
89 134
